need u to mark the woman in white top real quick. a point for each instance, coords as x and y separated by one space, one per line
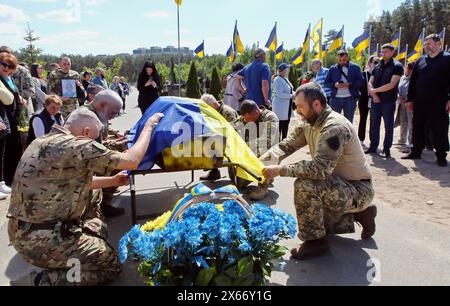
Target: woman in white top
42 122
283 92
233 96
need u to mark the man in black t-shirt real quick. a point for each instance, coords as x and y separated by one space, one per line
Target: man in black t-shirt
383 87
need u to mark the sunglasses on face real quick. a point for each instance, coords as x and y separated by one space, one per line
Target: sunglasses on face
6 65
342 55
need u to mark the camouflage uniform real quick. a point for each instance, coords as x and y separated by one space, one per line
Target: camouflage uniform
335 184
25 85
55 87
54 216
228 113
267 132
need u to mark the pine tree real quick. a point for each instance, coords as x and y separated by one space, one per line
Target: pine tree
192 85
30 53
216 87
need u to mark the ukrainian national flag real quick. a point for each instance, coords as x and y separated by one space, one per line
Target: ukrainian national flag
272 41
306 42
279 52
200 50
238 46
179 2
186 121
361 43
298 58
401 55
324 52
419 45
396 39
338 41
230 54
413 56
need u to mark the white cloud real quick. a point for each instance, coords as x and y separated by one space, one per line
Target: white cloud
94 2
59 16
12 25
158 14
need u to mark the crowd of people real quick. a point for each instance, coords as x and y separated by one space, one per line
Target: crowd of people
418 94
59 216
26 94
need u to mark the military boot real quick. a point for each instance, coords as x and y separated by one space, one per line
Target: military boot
212 176
367 220
259 194
311 249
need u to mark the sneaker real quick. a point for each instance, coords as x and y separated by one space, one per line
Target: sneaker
4 189
3 196
386 154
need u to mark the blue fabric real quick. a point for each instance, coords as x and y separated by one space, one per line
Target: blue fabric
11 84
320 79
385 111
175 110
100 82
253 75
354 76
348 105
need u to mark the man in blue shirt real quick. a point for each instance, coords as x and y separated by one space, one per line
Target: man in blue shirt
345 80
257 79
321 75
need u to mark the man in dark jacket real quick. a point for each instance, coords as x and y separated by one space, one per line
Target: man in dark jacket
429 97
345 79
383 87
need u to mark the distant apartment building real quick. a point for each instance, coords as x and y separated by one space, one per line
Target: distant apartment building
169 50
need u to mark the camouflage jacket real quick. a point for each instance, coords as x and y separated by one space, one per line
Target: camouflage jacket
24 82
334 146
53 179
228 113
55 87
260 136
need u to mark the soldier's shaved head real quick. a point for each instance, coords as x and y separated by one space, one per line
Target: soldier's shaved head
107 105
83 122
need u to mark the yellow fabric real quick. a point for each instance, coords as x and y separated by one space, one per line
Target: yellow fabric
316 37
338 43
179 2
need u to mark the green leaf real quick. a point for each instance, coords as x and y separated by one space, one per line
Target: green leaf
205 276
245 282
223 281
245 266
278 251
231 272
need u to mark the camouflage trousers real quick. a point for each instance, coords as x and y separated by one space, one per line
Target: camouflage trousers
68 108
327 207
60 253
119 145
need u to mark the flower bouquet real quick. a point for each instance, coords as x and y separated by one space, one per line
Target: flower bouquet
212 238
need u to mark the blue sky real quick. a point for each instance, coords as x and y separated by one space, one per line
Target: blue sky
118 26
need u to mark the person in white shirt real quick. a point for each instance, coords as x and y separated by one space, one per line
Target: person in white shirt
42 122
283 92
233 96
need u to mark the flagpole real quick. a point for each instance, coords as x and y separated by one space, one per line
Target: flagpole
343 41
276 47
423 39
321 41
307 51
370 39
179 52
406 55
443 39
400 40
204 68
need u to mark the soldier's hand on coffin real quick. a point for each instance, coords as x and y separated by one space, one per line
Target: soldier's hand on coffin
271 172
154 120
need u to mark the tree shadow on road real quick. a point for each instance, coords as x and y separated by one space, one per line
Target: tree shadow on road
347 265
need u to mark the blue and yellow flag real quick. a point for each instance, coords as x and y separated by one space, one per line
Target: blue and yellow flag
298 58
316 36
279 53
401 55
200 50
238 46
361 43
306 43
338 41
185 122
413 56
324 52
272 42
419 45
396 39
230 54
179 2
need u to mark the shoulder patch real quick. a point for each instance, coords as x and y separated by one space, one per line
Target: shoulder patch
334 143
